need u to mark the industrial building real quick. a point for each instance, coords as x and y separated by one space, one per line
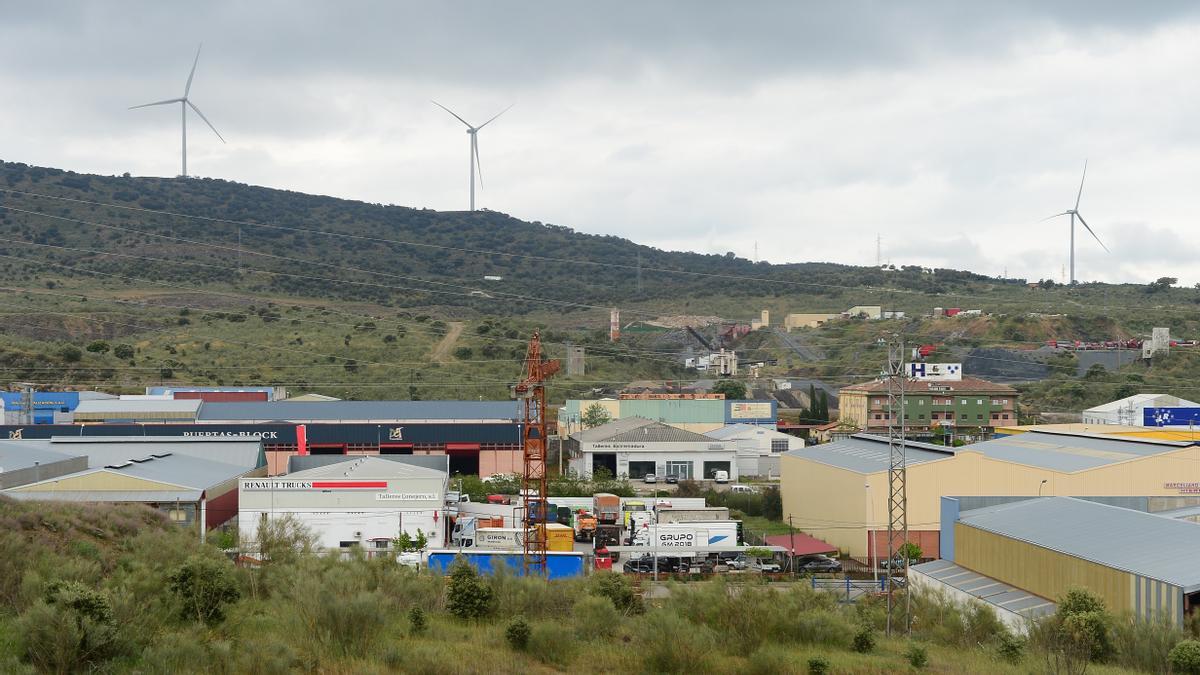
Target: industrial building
758 447
838 491
193 481
220 394
967 408
360 502
699 413
138 410
1137 562
634 447
1151 410
1112 430
480 437
792 321
48 407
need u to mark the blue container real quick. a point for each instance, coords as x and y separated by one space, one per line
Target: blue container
561 565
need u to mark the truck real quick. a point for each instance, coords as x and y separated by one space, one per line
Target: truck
607 508
720 476
533 511
632 506
499 538
559 537
558 565
585 526
686 515
465 528
683 536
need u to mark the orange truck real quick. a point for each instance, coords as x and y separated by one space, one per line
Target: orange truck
607 508
585 526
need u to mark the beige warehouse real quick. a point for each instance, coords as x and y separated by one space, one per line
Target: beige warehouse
838 491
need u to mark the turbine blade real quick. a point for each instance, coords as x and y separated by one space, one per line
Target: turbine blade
452 113
497 115
1078 196
210 126
1064 213
1089 229
147 105
478 165
188 87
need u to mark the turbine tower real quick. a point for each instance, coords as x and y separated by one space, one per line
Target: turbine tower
1074 213
185 103
476 165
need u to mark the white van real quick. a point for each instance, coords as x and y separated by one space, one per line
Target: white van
741 489
721 476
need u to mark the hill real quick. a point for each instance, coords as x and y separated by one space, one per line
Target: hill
303 245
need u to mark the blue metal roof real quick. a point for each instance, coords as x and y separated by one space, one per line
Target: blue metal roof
1139 543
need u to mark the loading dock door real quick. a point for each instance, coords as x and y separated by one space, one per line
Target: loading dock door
638 470
711 469
604 461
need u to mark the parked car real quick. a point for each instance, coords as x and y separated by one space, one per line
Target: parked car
896 563
651 478
765 566
666 565
741 489
410 559
672 478
819 564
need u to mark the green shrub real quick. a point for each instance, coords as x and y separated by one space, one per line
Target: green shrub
864 640
670 644
467 596
1185 657
770 660
917 656
517 634
551 648
417 622
619 589
1010 648
204 585
595 615
1143 644
70 630
818 665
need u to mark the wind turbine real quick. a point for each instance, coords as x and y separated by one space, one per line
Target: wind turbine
476 165
1074 213
184 103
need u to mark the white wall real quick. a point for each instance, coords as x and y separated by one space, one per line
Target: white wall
333 527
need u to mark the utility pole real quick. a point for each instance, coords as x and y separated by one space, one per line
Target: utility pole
792 545
897 477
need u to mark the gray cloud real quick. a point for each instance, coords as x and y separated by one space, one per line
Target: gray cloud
951 128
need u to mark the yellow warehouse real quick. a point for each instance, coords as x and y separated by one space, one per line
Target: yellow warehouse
838 491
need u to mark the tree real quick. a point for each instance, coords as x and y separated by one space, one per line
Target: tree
71 354
1161 284
123 351
467 596
204 585
811 413
909 551
731 388
595 415
98 347
823 411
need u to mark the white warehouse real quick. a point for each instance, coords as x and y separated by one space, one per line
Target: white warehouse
360 502
635 447
758 447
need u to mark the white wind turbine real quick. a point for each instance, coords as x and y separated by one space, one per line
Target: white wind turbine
184 103
476 165
1074 213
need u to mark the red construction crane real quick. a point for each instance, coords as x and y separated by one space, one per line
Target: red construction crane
532 390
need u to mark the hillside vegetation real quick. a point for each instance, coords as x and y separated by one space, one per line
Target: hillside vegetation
99 589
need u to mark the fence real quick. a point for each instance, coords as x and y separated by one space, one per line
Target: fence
849 589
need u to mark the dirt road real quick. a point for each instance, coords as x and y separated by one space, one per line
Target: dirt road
441 352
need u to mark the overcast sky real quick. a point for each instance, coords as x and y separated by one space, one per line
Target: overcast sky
947 128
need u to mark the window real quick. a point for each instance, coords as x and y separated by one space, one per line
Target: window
684 469
921 416
921 401
978 401
979 416
963 402
382 543
779 445
877 403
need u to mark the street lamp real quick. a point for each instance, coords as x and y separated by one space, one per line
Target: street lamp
1040 485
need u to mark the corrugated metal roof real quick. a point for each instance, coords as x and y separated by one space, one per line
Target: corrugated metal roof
368 467
372 411
867 453
1070 452
1138 400
637 429
742 431
15 455
1140 543
183 471
115 496
297 463
125 406
987 589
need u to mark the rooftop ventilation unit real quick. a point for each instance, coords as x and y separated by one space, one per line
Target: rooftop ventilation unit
142 460
160 455
120 465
